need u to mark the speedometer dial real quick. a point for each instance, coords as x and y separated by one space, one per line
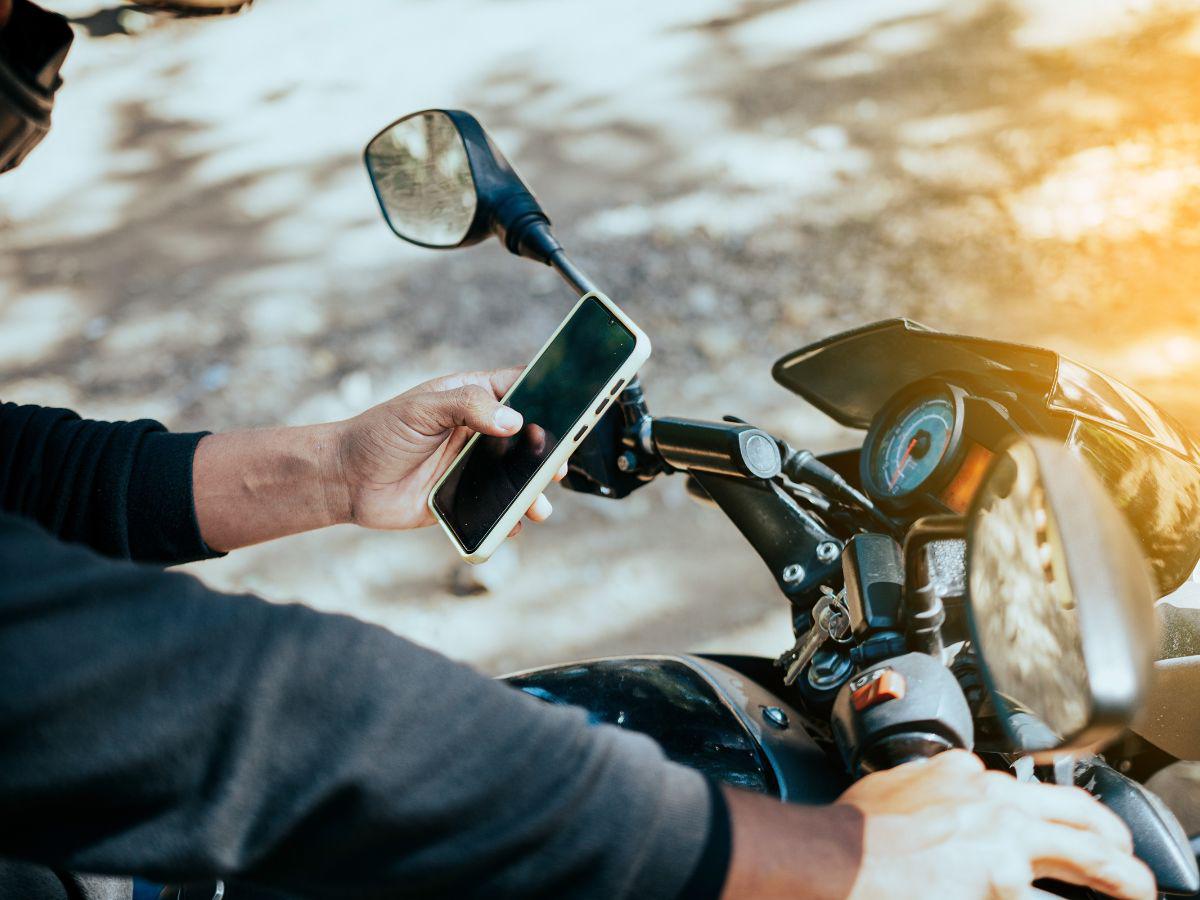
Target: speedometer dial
909 449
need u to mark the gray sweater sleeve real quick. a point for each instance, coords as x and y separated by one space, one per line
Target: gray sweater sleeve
150 726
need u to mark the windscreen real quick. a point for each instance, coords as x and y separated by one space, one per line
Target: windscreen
558 389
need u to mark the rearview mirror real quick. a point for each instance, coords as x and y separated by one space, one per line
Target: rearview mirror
1060 601
423 179
442 183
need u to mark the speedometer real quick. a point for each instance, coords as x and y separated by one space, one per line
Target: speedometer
912 438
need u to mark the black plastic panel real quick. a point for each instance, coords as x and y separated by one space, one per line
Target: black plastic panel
666 699
706 715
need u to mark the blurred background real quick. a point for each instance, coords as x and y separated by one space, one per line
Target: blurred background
197 242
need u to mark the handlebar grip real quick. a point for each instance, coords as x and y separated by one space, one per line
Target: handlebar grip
723 448
927 715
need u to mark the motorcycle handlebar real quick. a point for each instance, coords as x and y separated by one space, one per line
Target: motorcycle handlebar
723 448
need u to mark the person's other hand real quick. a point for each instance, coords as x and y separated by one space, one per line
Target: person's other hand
942 827
946 827
391 456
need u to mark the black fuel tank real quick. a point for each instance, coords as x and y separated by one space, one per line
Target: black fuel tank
705 715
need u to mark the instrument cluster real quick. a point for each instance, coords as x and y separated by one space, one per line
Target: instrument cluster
929 447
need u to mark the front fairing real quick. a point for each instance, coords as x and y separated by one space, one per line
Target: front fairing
1147 460
703 714
852 375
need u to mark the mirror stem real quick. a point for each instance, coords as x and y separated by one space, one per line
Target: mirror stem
571 273
538 242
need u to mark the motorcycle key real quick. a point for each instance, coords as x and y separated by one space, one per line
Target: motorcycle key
831 619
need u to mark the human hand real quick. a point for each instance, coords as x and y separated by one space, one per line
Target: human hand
946 827
390 457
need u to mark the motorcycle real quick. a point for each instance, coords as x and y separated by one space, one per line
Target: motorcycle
981 573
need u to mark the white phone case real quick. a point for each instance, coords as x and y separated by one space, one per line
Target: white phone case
570 441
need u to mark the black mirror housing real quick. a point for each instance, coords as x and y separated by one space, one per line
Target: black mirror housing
504 207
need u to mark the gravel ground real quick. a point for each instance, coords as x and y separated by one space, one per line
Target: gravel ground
197 241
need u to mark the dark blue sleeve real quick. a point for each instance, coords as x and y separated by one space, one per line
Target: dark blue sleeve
122 488
150 726
707 881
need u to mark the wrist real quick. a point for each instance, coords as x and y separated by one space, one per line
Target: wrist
253 486
792 851
327 444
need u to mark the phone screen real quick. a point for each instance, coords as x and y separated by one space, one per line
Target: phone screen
558 389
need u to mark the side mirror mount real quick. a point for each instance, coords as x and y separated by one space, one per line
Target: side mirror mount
1060 601
441 182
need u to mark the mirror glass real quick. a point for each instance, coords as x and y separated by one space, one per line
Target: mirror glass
1024 618
421 174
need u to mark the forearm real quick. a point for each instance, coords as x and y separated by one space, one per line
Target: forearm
253 486
224 736
375 470
791 852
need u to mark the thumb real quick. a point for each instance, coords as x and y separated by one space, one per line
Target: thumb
475 407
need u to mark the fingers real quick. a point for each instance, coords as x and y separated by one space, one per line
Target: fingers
503 420
1074 838
541 509
959 760
467 398
539 512
949 774
502 380
561 473
498 381
1065 805
471 405
536 436
1082 858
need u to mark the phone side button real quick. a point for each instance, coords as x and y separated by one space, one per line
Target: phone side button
616 387
580 433
600 408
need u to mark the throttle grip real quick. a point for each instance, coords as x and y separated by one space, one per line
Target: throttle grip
905 708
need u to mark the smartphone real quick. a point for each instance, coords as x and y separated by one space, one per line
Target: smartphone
561 395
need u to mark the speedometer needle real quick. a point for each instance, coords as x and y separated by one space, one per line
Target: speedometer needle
900 465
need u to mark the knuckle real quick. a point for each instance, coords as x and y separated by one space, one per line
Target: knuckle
1012 875
997 784
457 399
418 410
1077 799
473 395
1078 794
969 818
1051 793
1125 831
960 760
